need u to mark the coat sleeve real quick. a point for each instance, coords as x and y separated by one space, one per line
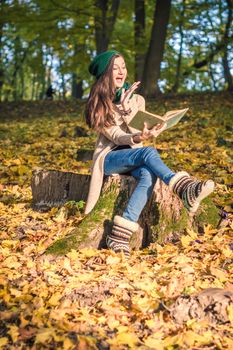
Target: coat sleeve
141 102
118 136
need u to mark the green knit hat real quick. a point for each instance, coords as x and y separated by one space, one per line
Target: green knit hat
100 63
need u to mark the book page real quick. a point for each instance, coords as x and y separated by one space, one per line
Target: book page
140 117
174 113
173 117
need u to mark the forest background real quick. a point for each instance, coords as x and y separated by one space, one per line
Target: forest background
171 46
95 299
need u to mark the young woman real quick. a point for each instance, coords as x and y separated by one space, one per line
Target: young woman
111 105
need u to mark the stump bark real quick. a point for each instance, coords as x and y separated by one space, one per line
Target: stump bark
163 218
51 188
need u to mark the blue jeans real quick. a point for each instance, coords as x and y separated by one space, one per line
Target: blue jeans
145 165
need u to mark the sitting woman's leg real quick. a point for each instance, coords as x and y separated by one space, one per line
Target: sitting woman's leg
191 191
146 165
141 194
129 159
123 227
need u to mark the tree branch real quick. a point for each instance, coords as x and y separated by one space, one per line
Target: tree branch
218 48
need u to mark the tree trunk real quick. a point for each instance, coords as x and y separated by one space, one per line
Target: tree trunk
77 82
63 83
43 74
212 76
139 38
22 85
226 68
104 24
77 87
163 218
49 69
20 57
53 188
33 86
178 67
1 63
151 73
17 49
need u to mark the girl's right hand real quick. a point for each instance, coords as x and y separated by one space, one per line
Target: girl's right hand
125 95
154 132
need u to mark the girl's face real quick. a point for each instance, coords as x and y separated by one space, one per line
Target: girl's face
119 72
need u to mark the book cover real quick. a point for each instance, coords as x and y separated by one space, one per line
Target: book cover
171 118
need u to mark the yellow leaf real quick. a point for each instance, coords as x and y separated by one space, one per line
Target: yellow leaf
44 336
68 344
220 274
11 262
112 322
16 161
9 244
122 329
172 340
73 254
186 240
23 170
102 319
13 332
66 265
3 341
23 322
88 252
86 343
15 292
129 339
53 301
112 260
154 342
144 304
230 313
152 324
209 231
189 338
228 343
192 234
227 252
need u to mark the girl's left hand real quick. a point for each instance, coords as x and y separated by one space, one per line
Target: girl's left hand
125 96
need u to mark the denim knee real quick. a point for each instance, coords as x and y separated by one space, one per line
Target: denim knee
147 176
150 152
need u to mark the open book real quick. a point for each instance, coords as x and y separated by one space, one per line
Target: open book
171 118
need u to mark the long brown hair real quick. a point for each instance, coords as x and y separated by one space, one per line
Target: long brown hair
99 111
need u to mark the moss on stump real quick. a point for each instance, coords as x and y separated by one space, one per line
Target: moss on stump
163 219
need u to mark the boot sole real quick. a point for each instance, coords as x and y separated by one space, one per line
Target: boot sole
206 192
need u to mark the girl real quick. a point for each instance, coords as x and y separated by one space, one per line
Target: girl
119 149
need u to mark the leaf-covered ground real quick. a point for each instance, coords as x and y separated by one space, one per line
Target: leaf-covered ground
96 299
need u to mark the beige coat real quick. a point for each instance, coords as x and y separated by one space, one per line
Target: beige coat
108 139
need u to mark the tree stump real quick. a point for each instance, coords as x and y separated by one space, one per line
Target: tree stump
163 218
51 188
